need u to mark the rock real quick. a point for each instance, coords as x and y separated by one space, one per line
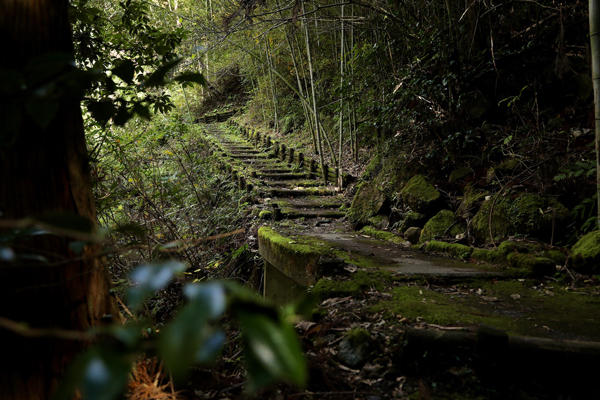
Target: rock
443 224
533 215
413 234
532 264
500 223
471 201
379 221
460 173
265 214
586 253
355 348
454 250
419 194
367 202
411 219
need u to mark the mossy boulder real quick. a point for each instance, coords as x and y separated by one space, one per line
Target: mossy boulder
586 253
367 202
356 347
411 219
419 194
443 224
413 234
534 215
472 198
532 265
379 221
455 250
492 256
494 219
460 173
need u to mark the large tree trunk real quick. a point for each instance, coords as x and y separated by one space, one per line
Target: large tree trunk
44 171
594 10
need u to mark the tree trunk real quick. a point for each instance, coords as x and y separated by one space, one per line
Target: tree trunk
594 9
341 117
44 171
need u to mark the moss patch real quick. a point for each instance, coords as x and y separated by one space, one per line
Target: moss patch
519 308
359 282
443 224
492 256
383 235
367 202
500 224
471 200
460 173
586 253
419 194
265 214
531 264
454 250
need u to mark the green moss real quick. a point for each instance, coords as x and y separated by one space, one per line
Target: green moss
471 200
460 173
443 224
383 235
531 264
379 221
500 224
411 219
419 194
414 302
357 336
455 250
565 313
557 256
508 166
265 214
368 201
586 253
492 256
359 282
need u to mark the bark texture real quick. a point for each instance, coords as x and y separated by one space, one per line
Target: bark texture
44 170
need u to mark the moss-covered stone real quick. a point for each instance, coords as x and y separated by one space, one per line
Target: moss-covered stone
555 255
383 235
460 173
500 223
379 221
532 215
531 264
586 253
265 214
411 219
413 234
367 202
455 250
492 256
355 347
443 224
471 200
419 194
358 283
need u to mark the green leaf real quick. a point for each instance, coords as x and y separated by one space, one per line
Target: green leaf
124 69
191 77
150 278
272 351
157 78
99 374
188 338
142 110
101 111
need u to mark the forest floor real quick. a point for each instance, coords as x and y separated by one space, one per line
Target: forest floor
392 322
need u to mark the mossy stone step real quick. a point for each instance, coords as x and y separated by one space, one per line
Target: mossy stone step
283 176
310 202
317 191
293 213
248 156
276 171
293 184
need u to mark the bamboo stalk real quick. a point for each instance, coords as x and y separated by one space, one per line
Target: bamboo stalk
594 10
